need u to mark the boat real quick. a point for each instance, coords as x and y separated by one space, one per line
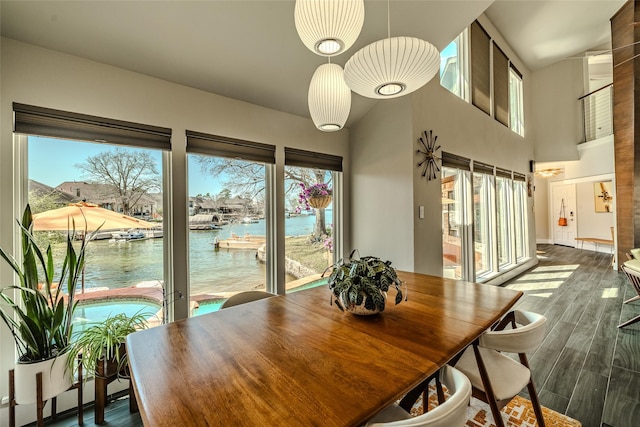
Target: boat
128 236
247 220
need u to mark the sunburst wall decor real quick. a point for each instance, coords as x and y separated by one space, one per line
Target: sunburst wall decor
427 151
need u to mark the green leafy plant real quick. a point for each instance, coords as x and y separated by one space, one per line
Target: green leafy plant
354 279
103 343
41 327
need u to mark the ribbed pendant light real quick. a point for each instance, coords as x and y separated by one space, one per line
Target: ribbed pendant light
392 67
329 98
329 27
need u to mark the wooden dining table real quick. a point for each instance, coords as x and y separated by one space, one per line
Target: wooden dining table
298 360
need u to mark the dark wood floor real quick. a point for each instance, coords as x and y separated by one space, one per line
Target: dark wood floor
586 367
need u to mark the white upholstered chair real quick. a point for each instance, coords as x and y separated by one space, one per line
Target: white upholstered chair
243 297
631 269
451 413
497 378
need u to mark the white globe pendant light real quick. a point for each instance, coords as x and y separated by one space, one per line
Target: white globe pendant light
329 27
329 98
392 67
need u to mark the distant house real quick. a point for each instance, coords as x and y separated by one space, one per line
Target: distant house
57 197
104 195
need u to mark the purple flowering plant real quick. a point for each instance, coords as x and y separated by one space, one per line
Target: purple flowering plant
315 190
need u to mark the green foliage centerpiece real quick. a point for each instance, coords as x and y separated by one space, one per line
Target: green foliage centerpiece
360 285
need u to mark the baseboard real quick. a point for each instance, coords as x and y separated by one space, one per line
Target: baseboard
544 242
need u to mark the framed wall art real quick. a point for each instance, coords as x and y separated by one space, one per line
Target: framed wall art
603 196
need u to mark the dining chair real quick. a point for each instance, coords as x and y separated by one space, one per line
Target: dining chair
243 297
497 378
631 269
450 413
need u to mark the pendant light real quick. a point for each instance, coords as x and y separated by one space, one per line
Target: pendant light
329 98
329 27
392 67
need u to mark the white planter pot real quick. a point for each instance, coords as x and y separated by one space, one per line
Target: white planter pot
55 379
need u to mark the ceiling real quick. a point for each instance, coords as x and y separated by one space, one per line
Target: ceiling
250 50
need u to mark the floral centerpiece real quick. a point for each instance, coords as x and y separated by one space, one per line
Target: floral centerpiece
316 196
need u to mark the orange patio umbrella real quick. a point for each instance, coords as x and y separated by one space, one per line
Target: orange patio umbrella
86 216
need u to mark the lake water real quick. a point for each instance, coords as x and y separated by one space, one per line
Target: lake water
124 264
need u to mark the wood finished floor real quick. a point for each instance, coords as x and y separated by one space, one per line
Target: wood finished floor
586 367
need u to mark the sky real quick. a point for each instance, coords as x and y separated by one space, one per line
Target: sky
52 162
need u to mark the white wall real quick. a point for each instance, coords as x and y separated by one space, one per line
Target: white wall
541 208
590 222
42 77
381 183
556 117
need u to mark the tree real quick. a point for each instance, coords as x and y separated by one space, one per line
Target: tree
41 201
130 173
245 177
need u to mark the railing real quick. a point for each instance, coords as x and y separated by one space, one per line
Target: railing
597 113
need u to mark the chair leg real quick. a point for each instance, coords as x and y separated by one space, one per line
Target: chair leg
629 322
488 389
410 398
636 298
535 403
533 394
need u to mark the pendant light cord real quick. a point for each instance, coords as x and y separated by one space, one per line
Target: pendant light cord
388 19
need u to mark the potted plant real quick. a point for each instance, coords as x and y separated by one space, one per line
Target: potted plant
40 320
316 196
360 285
102 344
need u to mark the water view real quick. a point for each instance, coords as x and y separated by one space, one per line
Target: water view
115 265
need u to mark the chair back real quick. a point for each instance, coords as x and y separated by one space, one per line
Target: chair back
451 413
243 297
523 339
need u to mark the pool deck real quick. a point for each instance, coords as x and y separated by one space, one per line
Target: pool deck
153 292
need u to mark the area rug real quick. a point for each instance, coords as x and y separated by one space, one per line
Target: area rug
518 413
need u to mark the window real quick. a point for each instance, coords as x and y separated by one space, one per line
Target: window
496 84
308 226
482 215
451 221
312 224
520 219
123 174
455 216
454 74
503 220
228 239
516 109
480 68
500 85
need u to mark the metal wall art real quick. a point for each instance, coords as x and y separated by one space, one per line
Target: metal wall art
427 151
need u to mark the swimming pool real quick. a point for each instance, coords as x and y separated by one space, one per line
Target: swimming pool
89 313
208 307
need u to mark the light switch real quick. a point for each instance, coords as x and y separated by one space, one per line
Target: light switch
421 214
